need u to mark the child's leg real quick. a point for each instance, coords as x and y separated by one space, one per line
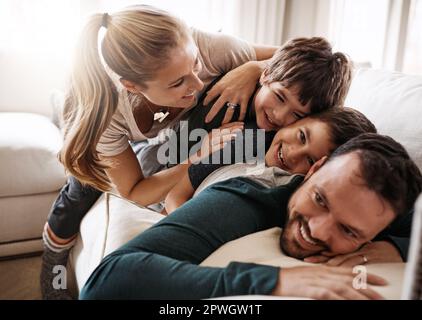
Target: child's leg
67 212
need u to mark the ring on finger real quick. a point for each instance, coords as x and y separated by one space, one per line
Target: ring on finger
232 105
364 258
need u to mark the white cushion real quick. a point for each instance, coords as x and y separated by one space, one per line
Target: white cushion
263 248
393 102
28 155
111 223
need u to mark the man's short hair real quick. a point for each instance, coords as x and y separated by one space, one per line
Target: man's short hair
323 77
344 124
386 168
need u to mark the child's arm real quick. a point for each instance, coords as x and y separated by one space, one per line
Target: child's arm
179 194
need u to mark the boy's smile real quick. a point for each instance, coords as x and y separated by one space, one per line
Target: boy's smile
297 147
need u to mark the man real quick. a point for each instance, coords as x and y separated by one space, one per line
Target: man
344 202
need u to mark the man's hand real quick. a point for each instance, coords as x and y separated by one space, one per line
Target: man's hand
326 283
236 87
373 252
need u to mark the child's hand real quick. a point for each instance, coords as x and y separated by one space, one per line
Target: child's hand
217 139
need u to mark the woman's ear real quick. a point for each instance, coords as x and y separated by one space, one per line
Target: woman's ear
129 85
315 167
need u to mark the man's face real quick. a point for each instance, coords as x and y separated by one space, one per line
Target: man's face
334 212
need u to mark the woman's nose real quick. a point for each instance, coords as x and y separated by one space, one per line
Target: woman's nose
196 83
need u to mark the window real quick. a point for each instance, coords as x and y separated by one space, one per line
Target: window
413 49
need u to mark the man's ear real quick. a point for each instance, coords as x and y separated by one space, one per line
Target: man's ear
315 167
129 85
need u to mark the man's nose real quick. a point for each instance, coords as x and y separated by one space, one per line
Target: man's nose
321 227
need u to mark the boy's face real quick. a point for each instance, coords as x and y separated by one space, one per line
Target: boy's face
297 147
277 106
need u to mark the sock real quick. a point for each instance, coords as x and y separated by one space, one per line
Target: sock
52 277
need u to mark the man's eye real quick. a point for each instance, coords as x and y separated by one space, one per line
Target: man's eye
302 137
348 232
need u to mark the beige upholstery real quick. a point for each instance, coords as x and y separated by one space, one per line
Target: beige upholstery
30 175
262 247
390 100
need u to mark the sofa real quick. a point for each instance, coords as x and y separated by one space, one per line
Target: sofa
391 100
31 177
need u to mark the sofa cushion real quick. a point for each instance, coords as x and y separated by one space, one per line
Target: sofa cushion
111 222
262 248
392 101
28 155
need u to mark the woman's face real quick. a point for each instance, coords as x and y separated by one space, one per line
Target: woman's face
176 84
297 147
277 106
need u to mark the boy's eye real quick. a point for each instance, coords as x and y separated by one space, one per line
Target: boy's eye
302 137
279 97
311 161
297 116
319 200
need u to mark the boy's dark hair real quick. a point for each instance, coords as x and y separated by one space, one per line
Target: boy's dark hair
323 77
386 168
344 124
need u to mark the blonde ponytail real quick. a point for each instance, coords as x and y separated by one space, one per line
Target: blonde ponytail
137 42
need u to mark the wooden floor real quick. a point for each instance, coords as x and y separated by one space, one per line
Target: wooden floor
19 279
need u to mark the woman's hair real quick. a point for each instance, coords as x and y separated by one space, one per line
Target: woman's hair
323 77
344 124
138 40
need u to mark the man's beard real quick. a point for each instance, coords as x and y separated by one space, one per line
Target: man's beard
288 241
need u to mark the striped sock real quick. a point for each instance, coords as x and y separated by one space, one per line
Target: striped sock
53 246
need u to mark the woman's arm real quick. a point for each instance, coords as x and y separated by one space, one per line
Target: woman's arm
126 175
238 85
179 194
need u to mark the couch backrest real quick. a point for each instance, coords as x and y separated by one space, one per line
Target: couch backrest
393 102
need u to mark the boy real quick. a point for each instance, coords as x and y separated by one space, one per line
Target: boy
294 149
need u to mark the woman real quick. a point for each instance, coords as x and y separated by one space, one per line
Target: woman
149 66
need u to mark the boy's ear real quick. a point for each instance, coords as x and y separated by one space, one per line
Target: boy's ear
129 85
264 76
315 167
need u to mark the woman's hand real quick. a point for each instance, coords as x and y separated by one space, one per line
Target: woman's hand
236 87
373 252
216 140
321 282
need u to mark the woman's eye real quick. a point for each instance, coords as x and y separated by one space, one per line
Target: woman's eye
311 161
302 137
178 84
